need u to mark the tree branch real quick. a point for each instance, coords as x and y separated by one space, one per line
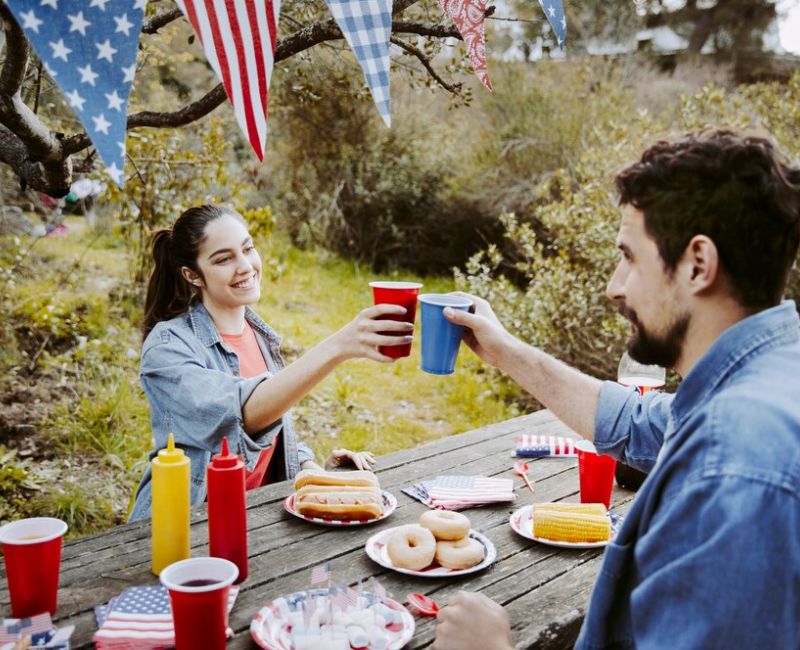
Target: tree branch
160 20
42 158
15 64
35 151
299 41
453 88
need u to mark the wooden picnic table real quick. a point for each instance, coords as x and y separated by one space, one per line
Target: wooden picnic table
544 589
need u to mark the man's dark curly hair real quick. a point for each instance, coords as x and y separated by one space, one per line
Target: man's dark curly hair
737 190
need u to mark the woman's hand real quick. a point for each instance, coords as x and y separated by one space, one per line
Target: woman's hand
340 457
361 337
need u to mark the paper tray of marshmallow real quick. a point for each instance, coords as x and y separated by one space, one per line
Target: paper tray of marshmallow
339 496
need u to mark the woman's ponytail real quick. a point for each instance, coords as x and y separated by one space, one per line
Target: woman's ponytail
168 294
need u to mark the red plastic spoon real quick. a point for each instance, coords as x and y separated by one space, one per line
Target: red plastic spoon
424 605
521 468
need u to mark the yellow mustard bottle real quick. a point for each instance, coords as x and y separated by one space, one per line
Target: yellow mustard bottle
170 523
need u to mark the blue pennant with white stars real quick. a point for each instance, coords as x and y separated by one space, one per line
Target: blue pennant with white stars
89 49
554 12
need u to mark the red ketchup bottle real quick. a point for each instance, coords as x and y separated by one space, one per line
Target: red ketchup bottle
227 518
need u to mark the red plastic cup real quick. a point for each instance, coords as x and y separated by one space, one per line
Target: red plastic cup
397 293
596 474
198 594
32 552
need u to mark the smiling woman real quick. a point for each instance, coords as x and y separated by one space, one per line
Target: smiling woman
212 369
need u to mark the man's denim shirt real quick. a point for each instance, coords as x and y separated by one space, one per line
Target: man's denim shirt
191 379
709 553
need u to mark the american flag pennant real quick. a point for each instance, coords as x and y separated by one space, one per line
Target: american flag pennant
350 597
89 49
534 446
554 12
239 39
309 607
15 629
321 573
468 16
367 26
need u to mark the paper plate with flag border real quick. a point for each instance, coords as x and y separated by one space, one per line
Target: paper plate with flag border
377 552
389 505
522 523
275 625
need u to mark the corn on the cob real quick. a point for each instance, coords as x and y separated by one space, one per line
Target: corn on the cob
586 508
571 526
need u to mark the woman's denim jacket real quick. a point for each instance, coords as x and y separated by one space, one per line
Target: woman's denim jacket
191 379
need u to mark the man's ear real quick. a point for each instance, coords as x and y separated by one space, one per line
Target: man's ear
700 263
191 277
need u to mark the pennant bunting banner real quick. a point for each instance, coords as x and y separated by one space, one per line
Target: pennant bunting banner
554 12
239 38
367 26
468 15
89 49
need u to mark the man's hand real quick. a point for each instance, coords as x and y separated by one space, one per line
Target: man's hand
484 334
472 621
339 457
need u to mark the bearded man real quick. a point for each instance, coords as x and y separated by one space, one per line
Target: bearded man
709 554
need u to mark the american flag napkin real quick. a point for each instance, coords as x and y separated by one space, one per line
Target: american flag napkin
459 492
38 628
140 617
535 446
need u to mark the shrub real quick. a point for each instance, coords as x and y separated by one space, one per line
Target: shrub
380 196
550 289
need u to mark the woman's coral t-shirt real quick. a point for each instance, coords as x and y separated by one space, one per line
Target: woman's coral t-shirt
251 364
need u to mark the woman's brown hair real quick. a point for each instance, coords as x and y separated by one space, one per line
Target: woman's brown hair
168 292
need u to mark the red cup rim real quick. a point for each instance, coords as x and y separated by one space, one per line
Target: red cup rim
31 523
395 285
586 446
224 571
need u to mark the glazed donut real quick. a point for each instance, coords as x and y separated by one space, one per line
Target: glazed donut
445 525
461 554
411 547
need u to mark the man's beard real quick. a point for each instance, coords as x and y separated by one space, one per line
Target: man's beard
653 350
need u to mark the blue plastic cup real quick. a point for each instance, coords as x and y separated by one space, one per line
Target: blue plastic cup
440 337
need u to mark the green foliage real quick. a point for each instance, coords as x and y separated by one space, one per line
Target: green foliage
379 196
173 170
79 505
18 482
548 286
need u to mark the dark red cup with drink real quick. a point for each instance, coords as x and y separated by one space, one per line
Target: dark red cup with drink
32 553
595 473
397 293
198 594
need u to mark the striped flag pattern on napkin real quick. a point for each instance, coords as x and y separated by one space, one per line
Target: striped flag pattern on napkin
535 446
459 492
33 632
141 618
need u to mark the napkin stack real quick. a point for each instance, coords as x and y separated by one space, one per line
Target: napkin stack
140 618
536 446
38 629
459 492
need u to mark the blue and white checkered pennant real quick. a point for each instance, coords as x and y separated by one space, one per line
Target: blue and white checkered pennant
89 49
367 26
554 12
